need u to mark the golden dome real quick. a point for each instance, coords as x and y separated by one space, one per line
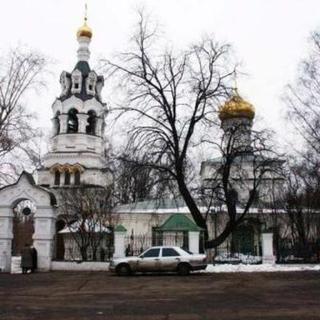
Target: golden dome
236 107
84 31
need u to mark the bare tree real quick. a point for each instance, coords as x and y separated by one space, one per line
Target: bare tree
20 72
87 213
136 182
303 100
174 98
302 207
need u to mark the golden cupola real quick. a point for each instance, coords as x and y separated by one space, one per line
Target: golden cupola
236 107
84 30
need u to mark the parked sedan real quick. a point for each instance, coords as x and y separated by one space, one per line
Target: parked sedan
160 259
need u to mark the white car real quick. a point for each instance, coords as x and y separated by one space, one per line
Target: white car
160 259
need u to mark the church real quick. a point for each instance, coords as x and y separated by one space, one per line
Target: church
30 209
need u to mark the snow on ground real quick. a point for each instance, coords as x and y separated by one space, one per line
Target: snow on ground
237 257
260 268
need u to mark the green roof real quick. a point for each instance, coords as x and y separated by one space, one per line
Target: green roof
179 222
120 228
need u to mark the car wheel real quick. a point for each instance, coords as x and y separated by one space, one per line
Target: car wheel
183 269
123 270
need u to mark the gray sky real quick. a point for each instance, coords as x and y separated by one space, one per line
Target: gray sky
269 37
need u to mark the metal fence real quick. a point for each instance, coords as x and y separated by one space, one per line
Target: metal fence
68 249
289 251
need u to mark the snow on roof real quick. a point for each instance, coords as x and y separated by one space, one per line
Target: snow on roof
172 206
157 206
90 226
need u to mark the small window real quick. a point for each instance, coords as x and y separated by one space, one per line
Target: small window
169 252
76 85
152 253
57 178
67 178
92 121
90 87
77 178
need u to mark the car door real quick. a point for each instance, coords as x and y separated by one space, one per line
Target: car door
169 259
149 261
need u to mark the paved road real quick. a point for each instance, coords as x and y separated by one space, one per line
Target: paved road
77 296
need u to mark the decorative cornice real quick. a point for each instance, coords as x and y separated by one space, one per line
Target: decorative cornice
67 167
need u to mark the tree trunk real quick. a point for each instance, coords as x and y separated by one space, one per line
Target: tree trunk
83 252
192 206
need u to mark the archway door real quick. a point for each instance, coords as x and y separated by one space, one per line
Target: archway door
22 225
17 223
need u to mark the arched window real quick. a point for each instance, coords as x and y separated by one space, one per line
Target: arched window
76 81
91 83
92 120
57 123
67 178
57 178
77 178
72 121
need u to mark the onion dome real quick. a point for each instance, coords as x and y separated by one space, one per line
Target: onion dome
236 107
84 31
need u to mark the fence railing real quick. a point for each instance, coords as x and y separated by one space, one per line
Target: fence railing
72 250
288 251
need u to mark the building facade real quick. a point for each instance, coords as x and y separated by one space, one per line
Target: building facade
77 157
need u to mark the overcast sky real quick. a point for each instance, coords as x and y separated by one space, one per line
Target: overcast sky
269 36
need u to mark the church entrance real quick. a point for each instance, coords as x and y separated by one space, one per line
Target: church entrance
243 240
27 216
22 230
22 225
59 240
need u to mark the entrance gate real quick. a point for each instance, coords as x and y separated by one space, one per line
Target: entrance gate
42 225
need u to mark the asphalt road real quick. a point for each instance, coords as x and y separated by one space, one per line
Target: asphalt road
77 296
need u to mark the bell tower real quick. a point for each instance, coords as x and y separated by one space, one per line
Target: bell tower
77 143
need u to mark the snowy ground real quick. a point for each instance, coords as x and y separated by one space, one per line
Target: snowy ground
218 268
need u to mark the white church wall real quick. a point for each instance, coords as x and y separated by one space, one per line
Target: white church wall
77 142
88 160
